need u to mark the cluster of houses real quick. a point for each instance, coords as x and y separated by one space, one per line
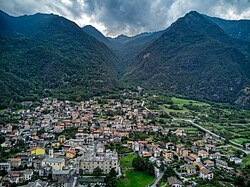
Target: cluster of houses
197 161
61 159
51 154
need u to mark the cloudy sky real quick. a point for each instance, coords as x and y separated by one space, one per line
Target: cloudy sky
130 17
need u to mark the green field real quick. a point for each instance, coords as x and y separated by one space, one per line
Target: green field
135 179
180 102
126 161
241 140
228 150
168 110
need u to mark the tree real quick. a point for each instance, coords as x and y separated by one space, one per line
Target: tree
110 179
112 182
97 171
112 172
169 172
150 168
138 163
13 185
238 153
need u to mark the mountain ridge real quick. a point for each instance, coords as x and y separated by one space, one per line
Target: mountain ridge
72 67
188 60
195 56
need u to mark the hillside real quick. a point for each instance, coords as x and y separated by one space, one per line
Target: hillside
197 56
92 31
48 55
128 47
194 57
239 29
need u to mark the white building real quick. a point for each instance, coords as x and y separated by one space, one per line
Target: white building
94 157
206 174
55 163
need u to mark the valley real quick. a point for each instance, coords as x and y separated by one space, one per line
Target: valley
163 108
133 125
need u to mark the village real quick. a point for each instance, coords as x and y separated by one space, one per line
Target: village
53 142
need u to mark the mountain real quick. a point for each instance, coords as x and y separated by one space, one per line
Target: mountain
239 29
198 56
92 31
48 55
194 57
128 47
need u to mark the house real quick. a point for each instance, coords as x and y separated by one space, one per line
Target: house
91 160
199 143
170 146
206 174
236 160
61 138
181 150
28 173
191 169
136 146
5 166
178 148
209 163
15 162
15 177
174 182
203 154
180 132
55 163
221 163
38 183
184 152
37 151
168 154
55 143
200 165
209 147
195 157
71 153
45 171
215 156
62 177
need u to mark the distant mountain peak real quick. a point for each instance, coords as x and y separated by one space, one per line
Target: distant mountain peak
194 13
92 31
122 36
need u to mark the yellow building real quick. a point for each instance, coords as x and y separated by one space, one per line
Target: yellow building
61 138
168 155
71 153
184 152
55 144
37 151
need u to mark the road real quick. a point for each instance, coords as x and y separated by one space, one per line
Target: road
233 144
156 180
200 127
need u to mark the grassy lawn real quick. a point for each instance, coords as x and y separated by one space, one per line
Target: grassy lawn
168 110
126 161
228 150
135 179
180 102
241 140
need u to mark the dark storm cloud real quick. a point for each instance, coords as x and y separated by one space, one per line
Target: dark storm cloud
130 17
